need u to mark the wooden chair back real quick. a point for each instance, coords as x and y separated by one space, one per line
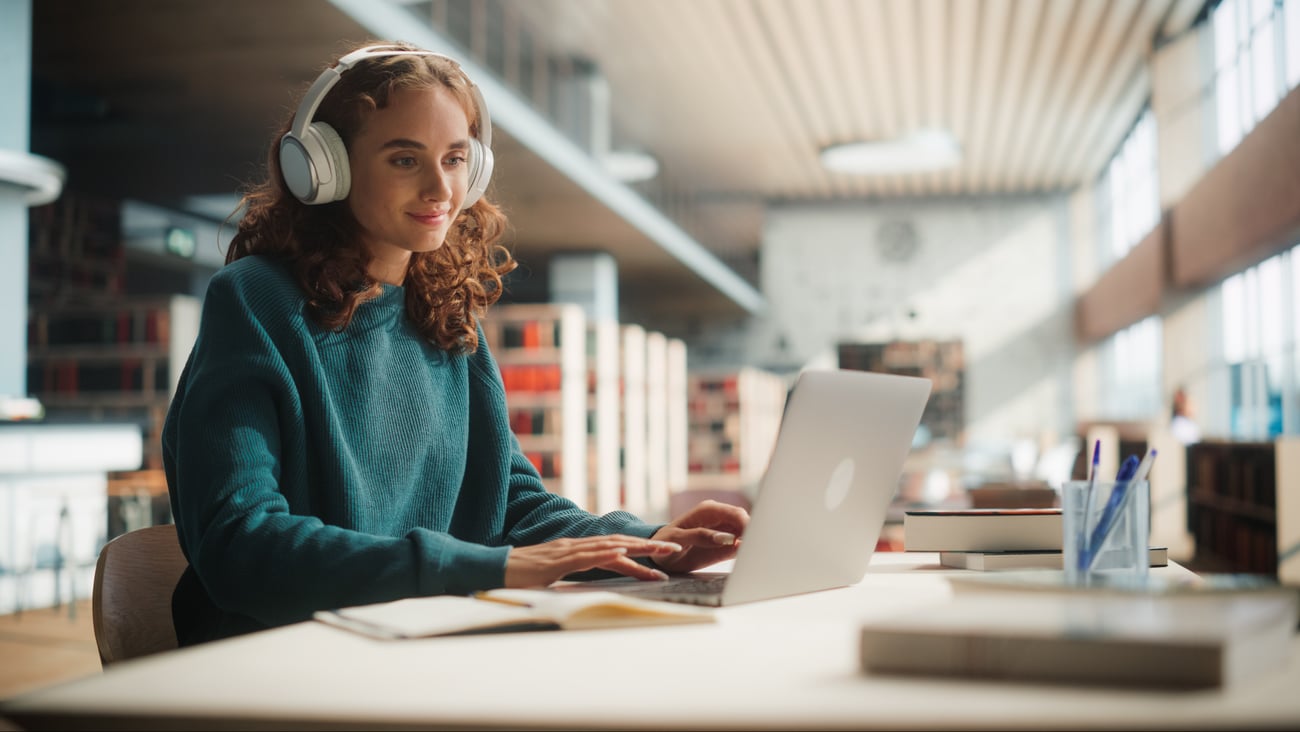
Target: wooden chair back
132 601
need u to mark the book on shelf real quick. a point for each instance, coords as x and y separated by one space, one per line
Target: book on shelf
988 561
1178 641
507 610
981 530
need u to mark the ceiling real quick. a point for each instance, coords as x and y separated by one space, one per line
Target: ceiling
159 100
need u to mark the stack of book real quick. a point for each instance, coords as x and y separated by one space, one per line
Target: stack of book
1197 634
994 539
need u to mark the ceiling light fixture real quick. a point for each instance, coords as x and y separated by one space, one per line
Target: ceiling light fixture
921 151
39 180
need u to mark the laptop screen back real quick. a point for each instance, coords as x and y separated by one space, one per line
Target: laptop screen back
834 471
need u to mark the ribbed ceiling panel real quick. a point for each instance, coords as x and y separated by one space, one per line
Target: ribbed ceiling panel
736 97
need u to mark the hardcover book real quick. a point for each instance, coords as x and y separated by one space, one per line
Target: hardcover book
992 561
1109 639
982 530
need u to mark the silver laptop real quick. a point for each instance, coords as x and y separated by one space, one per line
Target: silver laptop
822 502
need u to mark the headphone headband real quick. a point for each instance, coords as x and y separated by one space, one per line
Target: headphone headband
311 101
313 159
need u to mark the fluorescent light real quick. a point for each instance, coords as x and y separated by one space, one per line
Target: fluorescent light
921 151
630 166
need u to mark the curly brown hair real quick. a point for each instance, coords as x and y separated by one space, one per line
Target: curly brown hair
447 290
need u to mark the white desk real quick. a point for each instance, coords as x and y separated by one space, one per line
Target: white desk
781 664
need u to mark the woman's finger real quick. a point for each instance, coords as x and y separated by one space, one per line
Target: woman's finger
636 546
702 537
626 566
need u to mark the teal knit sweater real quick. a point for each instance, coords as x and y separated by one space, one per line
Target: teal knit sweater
311 469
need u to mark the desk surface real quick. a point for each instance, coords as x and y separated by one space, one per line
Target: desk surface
789 663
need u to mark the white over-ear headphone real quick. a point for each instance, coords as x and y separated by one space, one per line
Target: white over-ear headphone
314 161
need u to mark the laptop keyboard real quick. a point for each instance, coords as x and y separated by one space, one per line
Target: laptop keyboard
690 590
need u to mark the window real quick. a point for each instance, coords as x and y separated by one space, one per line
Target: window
1261 323
1128 203
1131 371
1291 41
1128 192
1256 59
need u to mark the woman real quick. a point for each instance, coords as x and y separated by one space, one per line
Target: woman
340 435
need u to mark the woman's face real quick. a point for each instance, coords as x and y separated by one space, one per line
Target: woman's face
409 176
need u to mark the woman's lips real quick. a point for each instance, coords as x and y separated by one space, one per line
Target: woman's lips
429 219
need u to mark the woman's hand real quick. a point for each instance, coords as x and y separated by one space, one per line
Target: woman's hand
541 564
708 534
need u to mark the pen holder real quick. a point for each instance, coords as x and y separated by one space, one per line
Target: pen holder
1106 526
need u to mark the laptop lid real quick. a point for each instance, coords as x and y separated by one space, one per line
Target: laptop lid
835 469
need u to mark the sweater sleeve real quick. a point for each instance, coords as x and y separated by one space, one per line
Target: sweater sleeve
236 411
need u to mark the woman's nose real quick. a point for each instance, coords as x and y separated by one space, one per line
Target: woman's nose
437 186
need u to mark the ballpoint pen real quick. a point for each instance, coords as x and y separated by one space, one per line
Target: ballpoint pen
1087 503
1130 473
1089 551
1145 467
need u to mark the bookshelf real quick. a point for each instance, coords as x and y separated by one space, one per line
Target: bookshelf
734 419
1232 496
632 366
75 249
943 362
541 351
678 420
116 360
656 439
603 425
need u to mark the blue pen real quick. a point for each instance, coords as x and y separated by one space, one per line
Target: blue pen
1087 504
1109 513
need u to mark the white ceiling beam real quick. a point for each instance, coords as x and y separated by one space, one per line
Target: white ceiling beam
1043 68
768 77
1120 27
1103 141
1010 110
901 40
961 83
1180 16
796 81
744 75
935 40
850 58
1074 62
990 75
1129 78
872 29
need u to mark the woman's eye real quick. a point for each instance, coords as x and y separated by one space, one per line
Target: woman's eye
406 161
456 160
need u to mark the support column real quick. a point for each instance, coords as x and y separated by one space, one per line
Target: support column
586 279
15 89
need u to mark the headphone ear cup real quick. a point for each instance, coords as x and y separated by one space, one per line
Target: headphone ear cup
481 163
337 154
315 165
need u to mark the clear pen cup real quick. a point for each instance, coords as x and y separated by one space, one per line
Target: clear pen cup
1106 534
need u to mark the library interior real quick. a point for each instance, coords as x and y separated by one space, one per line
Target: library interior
1079 220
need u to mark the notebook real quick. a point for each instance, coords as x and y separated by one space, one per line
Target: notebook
821 504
